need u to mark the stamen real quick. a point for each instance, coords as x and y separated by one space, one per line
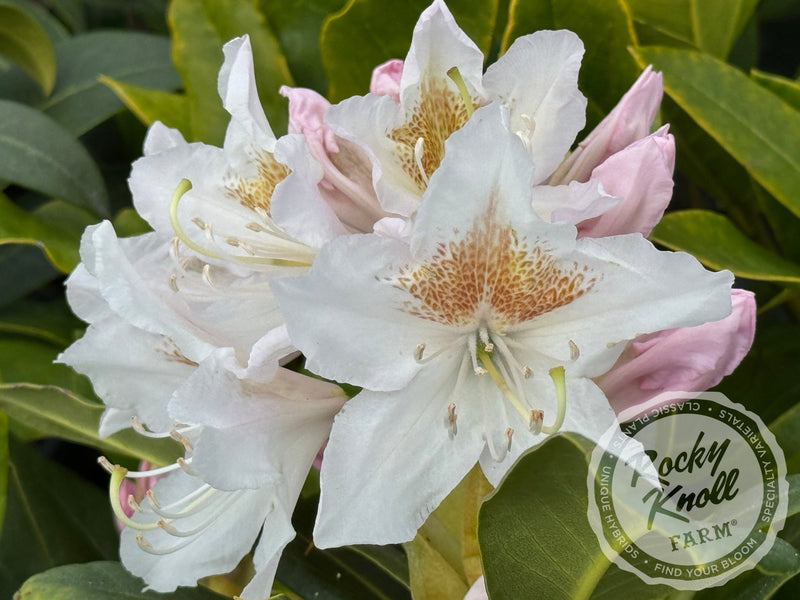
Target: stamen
509 435
179 437
184 464
152 498
117 477
501 383
487 343
194 507
173 282
452 416
154 472
418 154
184 186
207 277
199 223
232 241
166 526
106 464
253 226
455 75
133 504
535 421
526 372
559 381
574 351
174 250
473 354
147 547
418 352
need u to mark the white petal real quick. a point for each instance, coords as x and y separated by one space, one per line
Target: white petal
538 78
215 549
113 420
160 138
140 374
572 203
639 290
83 295
237 88
348 321
391 460
252 429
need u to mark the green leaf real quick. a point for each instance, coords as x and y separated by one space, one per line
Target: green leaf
670 18
752 124
58 240
69 11
199 29
717 243
554 555
606 28
23 269
31 361
26 43
127 223
366 33
48 320
53 517
100 581
717 23
58 412
79 100
787 89
787 431
39 154
3 467
297 23
150 106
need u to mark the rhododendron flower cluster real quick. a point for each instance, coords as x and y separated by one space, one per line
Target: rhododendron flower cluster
427 242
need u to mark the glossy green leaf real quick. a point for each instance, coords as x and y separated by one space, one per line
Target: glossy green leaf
787 431
717 23
70 12
366 33
150 106
199 29
752 124
52 26
787 89
3 467
58 412
127 223
39 154
26 43
49 320
297 24
23 269
100 581
79 100
56 230
717 243
53 517
521 557
670 18
606 28
31 361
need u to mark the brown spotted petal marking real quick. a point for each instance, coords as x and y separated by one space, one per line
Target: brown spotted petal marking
491 278
439 111
256 193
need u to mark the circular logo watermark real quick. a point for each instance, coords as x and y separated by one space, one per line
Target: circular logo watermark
689 491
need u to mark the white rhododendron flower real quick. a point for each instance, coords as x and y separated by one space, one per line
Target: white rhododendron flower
474 340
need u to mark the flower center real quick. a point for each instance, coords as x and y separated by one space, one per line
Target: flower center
256 193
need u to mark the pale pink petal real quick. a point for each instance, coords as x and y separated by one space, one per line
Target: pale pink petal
641 176
629 121
386 79
687 359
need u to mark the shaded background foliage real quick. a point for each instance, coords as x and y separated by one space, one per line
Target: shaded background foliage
81 79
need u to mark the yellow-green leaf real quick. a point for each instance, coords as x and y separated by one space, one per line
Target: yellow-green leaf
26 43
786 89
717 23
717 243
752 124
150 106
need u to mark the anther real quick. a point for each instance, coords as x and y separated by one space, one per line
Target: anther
143 543
179 437
105 463
207 276
134 504
137 425
509 435
574 352
452 417
418 155
232 241
535 421
253 226
527 373
418 352
199 222
173 282
153 499
183 464
174 249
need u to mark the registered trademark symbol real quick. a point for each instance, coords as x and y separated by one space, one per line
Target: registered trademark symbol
733 522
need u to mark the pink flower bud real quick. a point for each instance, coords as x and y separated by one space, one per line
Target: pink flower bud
630 120
386 79
640 175
686 359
